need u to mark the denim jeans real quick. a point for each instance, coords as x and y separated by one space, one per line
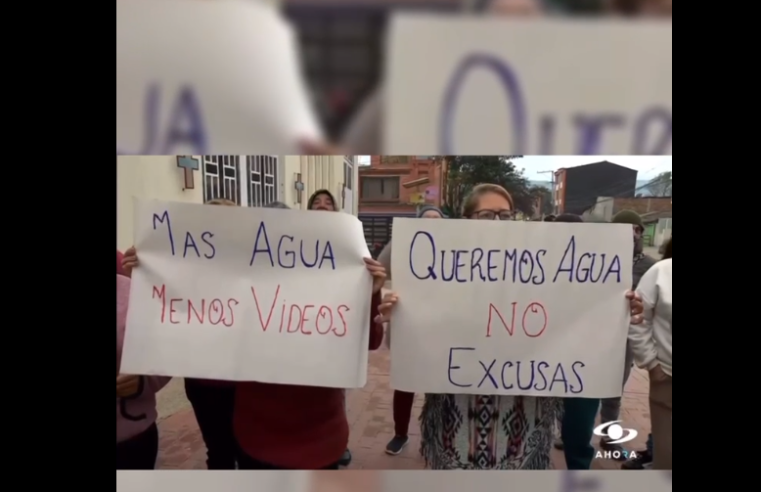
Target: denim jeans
578 422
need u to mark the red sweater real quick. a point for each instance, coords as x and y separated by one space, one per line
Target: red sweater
295 427
119 267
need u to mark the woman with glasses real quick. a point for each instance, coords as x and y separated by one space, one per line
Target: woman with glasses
487 432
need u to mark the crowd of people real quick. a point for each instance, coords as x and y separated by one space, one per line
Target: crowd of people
261 426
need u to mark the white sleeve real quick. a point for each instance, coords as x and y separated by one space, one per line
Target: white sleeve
641 340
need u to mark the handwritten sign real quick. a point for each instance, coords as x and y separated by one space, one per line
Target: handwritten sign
195 77
510 308
495 86
248 294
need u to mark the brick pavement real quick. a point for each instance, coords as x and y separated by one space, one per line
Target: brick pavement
372 425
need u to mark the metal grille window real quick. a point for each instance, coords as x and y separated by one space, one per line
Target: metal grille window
262 179
221 177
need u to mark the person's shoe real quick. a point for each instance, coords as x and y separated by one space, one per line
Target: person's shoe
558 443
643 461
613 448
397 444
345 459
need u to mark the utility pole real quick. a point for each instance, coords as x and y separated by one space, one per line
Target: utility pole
552 189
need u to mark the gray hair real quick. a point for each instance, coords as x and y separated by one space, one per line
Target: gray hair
276 205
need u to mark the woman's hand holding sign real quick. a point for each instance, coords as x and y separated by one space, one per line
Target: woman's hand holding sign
384 310
129 261
378 273
636 307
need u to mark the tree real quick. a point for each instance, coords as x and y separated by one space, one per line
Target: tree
660 185
544 195
465 172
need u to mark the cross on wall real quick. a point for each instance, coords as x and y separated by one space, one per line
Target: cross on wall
189 165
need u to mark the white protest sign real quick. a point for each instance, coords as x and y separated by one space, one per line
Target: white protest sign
249 294
195 77
510 308
488 85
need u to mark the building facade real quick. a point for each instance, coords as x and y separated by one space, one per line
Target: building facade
577 188
306 174
248 180
647 207
398 185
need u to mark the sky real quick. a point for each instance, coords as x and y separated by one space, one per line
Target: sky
648 166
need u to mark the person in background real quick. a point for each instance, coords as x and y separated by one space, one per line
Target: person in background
212 401
610 409
549 218
137 437
651 345
403 400
323 200
644 458
486 443
577 420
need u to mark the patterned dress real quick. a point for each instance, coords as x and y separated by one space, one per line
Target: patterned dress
476 432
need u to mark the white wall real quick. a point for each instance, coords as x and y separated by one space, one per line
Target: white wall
155 177
316 173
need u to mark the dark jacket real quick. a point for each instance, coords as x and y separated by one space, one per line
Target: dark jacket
641 265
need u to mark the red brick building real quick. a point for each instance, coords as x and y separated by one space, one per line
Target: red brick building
397 185
645 205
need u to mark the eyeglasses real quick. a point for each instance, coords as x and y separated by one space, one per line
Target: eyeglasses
493 214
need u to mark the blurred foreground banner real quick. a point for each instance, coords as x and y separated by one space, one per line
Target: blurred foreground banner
226 78
527 481
392 481
475 85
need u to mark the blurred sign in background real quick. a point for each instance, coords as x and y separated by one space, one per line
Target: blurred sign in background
343 41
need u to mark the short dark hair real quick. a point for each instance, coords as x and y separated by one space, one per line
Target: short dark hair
549 218
667 250
568 218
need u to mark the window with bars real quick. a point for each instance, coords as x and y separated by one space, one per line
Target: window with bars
221 177
262 179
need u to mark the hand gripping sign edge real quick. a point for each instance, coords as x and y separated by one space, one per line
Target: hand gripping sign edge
614 431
